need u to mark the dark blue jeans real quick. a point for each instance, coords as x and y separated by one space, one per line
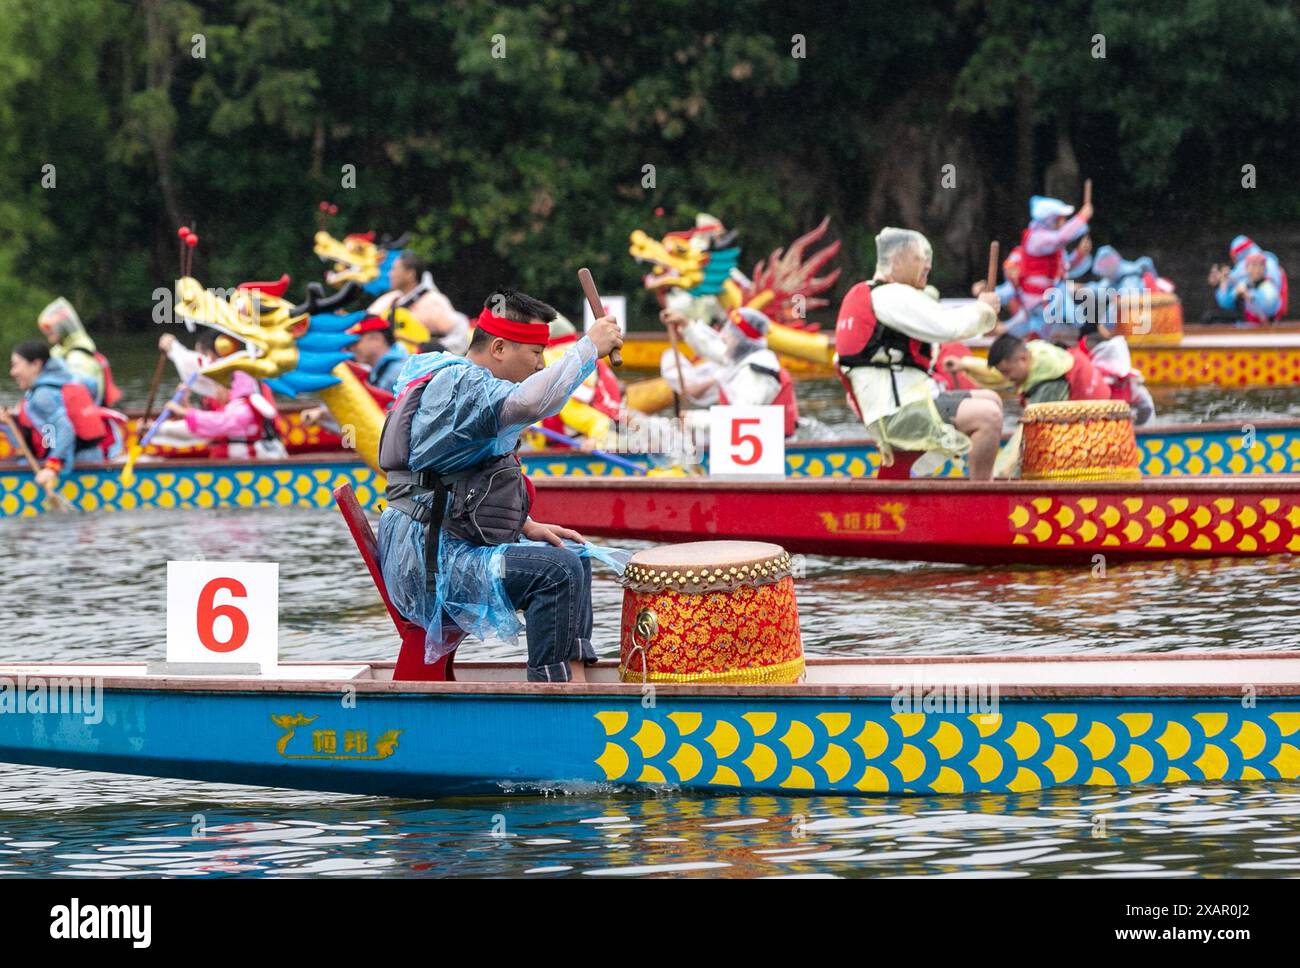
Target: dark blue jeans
552 587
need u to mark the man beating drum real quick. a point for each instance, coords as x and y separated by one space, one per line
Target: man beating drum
458 549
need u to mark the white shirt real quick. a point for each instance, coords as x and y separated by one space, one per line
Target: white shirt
911 312
738 381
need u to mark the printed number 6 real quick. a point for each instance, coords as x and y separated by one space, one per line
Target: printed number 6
737 439
209 613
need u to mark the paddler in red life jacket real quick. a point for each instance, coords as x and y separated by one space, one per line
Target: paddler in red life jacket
70 343
885 338
60 419
457 545
734 368
593 412
1042 372
1044 263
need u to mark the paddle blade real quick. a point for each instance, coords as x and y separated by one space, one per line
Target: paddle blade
127 477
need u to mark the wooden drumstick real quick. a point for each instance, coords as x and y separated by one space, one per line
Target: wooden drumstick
991 282
597 310
1087 191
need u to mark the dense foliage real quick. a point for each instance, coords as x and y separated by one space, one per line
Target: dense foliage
519 168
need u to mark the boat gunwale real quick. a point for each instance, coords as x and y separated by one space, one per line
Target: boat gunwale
351 458
952 486
502 689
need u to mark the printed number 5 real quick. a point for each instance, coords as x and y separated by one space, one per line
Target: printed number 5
737 439
208 614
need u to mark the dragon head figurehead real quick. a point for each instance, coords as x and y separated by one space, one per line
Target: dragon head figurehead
294 348
702 262
698 260
359 258
260 328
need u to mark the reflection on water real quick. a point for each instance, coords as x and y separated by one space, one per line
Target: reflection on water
168 828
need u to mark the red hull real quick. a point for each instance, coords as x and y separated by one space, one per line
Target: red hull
947 521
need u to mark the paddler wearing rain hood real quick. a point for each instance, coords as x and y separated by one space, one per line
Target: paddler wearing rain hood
70 343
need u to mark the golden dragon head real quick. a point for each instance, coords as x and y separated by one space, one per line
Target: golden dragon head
698 260
269 337
359 258
356 258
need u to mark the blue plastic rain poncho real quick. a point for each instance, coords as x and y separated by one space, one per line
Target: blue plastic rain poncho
44 408
467 416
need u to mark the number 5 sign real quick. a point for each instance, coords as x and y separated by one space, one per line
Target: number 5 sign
223 612
747 441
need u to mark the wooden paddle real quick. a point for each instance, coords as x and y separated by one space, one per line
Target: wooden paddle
681 380
153 388
58 501
597 310
992 281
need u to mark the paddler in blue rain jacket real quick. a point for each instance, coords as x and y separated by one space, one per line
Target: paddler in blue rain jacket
457 545
376 348
62 424
1254 289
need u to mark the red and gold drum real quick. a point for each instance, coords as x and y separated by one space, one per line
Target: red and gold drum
1150 318
1079 440
710 611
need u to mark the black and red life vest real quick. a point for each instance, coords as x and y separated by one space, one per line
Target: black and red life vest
860 337
504 493
112 393
86 417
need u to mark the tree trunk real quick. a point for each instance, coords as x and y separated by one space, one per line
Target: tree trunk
1025 175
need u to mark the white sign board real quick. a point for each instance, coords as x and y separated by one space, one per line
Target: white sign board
223 612
747 441
616 306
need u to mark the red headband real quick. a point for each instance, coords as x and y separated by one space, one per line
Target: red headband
742 324
538 334
561 340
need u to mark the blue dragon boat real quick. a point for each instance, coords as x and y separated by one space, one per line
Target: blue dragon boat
871 726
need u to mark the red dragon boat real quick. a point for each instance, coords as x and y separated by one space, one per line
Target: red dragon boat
1030 522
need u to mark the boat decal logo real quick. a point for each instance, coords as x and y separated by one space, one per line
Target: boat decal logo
885 519
334 744
866 746
1242 523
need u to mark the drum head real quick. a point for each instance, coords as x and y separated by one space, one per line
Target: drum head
707 554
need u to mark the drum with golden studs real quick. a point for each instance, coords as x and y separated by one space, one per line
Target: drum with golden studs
1080 440
1150 318
710 611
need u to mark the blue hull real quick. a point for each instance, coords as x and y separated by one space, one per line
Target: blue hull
429 744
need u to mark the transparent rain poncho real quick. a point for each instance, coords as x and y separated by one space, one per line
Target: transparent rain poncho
467 416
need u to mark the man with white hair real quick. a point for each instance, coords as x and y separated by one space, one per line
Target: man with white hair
885 338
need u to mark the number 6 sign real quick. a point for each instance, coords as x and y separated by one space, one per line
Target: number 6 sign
746 441
223 612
